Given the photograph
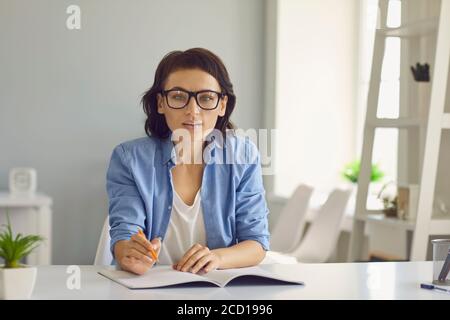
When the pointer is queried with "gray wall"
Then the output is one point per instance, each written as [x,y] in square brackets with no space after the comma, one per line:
[68,97]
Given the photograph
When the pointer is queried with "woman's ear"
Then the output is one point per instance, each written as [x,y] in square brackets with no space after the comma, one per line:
[223,106]
[160,103]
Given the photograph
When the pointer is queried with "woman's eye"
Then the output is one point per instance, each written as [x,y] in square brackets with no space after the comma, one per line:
[206,98]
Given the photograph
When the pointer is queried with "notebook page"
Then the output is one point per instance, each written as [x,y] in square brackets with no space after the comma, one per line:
[158,276]
[225,276]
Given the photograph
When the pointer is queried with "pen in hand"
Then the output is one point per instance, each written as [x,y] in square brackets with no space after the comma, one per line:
[152,251]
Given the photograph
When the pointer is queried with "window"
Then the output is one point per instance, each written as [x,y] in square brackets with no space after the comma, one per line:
[317,45]
[324,57]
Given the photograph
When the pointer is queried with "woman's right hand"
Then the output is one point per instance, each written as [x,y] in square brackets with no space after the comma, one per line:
[134,255]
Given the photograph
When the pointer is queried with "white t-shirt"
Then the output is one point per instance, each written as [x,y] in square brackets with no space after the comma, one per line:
[186,228]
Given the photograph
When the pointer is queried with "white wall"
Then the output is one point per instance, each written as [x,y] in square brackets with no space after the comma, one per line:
[68,97]
[316,92]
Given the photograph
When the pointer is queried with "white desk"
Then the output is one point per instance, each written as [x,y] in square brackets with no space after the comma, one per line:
[386,280]
[30,215]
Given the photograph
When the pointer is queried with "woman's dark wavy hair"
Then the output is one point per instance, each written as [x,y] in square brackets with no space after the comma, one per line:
[195,58]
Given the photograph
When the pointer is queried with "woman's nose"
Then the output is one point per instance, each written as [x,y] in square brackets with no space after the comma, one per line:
[192,106]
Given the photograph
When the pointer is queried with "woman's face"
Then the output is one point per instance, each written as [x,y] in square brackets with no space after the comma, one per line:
[197,121]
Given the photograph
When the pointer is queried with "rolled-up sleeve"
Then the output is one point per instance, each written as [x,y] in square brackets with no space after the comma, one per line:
[126,208]
[251,207]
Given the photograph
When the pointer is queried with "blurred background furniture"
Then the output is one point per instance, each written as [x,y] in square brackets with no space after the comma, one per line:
[288,231]
[103,256]
[320,240]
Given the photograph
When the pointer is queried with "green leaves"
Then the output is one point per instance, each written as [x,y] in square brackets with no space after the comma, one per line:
[351,172]
[12,249]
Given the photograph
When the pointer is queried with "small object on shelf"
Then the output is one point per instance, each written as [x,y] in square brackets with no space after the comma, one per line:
[400,203]
[22,181]
[407,201]
[421,73]
[390,201]
[390,207]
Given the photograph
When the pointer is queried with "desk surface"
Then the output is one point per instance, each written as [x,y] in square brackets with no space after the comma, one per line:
[382,280]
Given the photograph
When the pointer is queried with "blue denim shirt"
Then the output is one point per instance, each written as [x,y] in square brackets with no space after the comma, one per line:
[140,190]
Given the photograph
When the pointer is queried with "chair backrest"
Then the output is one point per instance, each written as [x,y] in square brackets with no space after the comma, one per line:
[103,256]
[288,231]
[321,237]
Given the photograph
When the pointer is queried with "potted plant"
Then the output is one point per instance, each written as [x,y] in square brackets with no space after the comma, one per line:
[351,172]
[16,280]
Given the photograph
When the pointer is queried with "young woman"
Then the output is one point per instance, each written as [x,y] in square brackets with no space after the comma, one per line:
[200,215]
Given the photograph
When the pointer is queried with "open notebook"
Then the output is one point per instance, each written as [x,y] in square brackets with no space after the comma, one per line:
[162,276]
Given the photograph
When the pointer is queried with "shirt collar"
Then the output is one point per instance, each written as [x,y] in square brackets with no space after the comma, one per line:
[168,150]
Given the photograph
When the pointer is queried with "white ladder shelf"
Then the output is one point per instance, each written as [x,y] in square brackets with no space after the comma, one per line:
[425,225]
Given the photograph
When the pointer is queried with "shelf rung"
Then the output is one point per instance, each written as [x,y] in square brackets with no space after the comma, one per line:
[413,29]
[395,123]
[377,216]
[438,225]
[446,121]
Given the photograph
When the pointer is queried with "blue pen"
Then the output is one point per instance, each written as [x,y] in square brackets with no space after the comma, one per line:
[433,287]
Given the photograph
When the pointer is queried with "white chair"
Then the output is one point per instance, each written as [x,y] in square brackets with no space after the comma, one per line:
[103,257]
[321,237]
[288,231]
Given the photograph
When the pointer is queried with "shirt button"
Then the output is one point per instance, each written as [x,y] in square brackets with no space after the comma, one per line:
[169,207]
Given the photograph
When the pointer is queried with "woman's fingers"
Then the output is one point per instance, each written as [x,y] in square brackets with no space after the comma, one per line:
[142,241]
[187,255]
[146,245]
[156,244]
[140,248]
[193,258]
[139,256]
[134,257]
[126,261]
[134,265]
[207,263]
[210,266]
[201,263]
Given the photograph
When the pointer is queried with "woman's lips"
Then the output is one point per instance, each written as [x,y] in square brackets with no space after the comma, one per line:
[190,125]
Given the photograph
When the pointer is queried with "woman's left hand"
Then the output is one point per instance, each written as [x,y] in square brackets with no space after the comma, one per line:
[198,258]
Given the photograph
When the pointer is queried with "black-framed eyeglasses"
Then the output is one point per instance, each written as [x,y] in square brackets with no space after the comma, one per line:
[179,98]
